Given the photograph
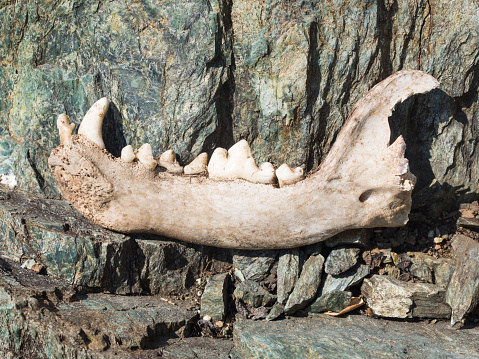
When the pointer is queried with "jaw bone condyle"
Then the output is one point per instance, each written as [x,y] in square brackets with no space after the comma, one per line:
[235,163]
[364,182]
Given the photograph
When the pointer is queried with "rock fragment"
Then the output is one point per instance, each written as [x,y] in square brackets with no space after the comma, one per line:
[392,298]
[334,301]
[253,265]
[345,280]
[213,299]
[463,290]
[340,260]
[254,294]
[288,273]
[307,286]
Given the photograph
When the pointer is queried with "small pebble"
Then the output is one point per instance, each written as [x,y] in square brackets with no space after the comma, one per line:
[438,240]
[219,323]
[207,318]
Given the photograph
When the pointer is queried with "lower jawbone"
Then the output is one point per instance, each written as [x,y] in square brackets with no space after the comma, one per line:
[364,182]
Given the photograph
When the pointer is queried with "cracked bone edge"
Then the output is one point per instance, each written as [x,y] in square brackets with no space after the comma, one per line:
[168,160]
[127,154]
[65,128]
[286,175]
[145,156]
[198,165]
[91,124]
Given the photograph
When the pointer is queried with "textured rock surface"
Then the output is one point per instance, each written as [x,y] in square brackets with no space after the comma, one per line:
[86,255]
[42,317]
[334,301]
[358,337]
[253,265]
[288,273]
[392,298]
[463,290]
[254,294]
[286,85]
[307,285]
[345,280]
[340,260]
[213,300]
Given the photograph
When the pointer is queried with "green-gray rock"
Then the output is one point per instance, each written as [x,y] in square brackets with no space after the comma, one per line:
[288,273]
[340,260]
[254,294]
[345,280]
[352,337]
[71,247]
[276,311]
[41,317]
[253,265]
[213,299]
[307,285]
[441,267]
[334,301]
[463,290]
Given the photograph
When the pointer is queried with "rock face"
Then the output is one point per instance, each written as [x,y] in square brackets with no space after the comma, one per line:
[359,337]
[197,75]
[86,255]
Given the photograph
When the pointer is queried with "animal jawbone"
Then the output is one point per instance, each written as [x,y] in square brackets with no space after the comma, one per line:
[363,182]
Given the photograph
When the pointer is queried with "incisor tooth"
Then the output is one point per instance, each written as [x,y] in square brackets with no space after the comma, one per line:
[127,154]
[198,165]
[65,128]
[90,126]
[286,175]
[168,161]
[144,155]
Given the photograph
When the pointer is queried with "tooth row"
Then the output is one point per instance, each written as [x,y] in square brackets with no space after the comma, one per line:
[234,163]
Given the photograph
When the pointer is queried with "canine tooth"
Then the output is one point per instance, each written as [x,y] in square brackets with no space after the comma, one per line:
[90,126]
[65,128]
[286,175]
[217,164]
[168,160]
[144,155]
[127,154]
[198,165]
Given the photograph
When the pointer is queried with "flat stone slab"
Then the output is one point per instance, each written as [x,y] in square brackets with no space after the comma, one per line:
[352,337]
[42,317]
[72,248]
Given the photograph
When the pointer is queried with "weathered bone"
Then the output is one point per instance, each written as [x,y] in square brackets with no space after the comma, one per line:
[363,182]
[90,126]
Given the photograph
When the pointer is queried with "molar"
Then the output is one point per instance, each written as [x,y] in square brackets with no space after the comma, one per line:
[144,155]
[217,164]
[127,154]
[91,124]
[198,165]
[286,175]
[168,160]
[65,128]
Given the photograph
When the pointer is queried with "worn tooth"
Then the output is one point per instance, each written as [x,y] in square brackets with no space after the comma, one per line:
[127,154]
[91,124]
[198,165]
[168,160]
[217,164]
[65,128]
[145,156]
[286,175]
[264,174]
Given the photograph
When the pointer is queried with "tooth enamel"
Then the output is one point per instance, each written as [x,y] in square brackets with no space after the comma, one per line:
[168,161]
[198,165]
[65,128]
[217,164]
[127,154]
[144,155]
[90,126]
[286,175]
